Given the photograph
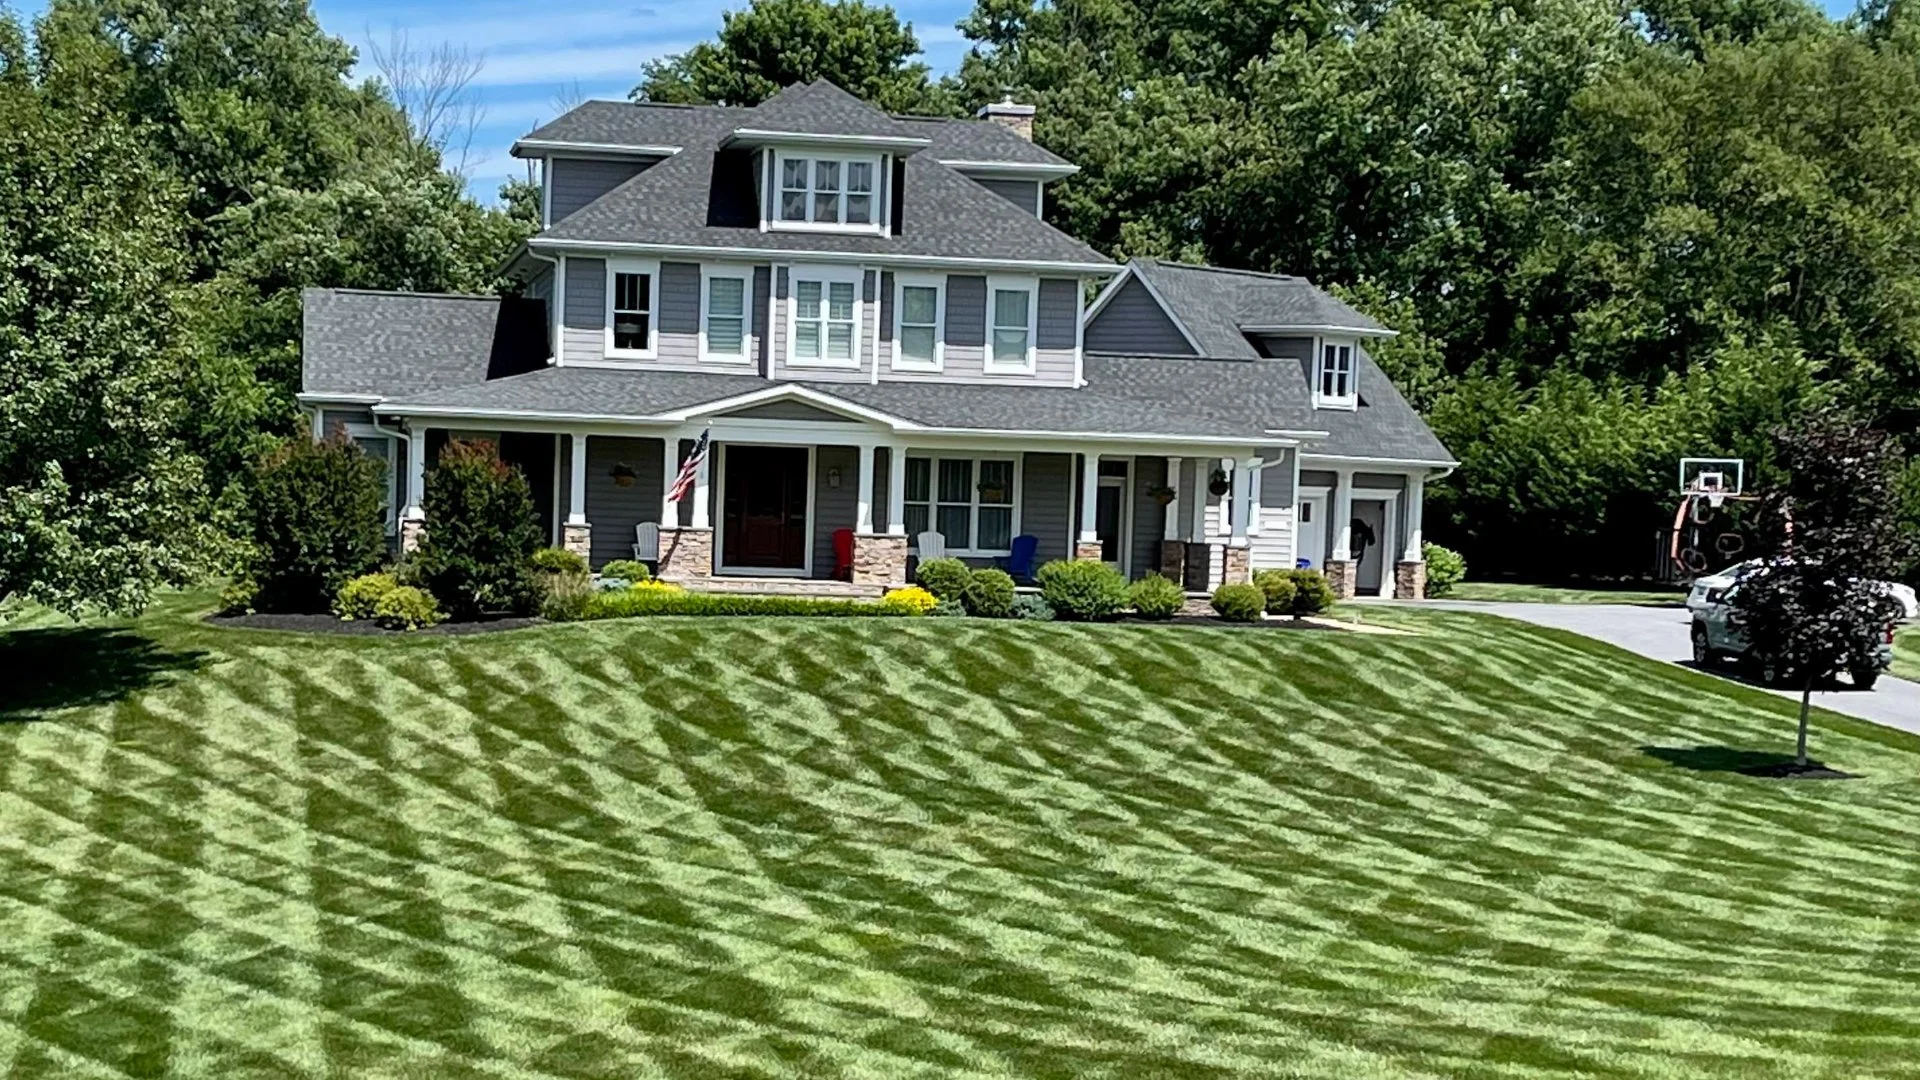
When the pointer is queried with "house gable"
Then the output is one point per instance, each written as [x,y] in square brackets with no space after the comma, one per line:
[1132,320]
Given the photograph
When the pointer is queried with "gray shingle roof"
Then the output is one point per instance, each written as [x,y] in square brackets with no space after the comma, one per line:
[979,140]
[820,107]
[1215,304]
[387,344]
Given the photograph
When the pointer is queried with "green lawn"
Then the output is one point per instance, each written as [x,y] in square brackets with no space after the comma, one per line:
[884,848]
[1507,592]
[1906,653]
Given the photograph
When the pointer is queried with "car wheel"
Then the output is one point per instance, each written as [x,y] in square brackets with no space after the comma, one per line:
[1702,651]
[1864,678]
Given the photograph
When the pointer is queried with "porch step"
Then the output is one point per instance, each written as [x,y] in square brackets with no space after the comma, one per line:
[759,586]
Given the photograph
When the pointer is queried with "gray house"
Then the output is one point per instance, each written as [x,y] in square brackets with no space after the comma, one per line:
[889,353]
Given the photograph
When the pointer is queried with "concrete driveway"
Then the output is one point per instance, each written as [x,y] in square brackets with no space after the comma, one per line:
[1661,633]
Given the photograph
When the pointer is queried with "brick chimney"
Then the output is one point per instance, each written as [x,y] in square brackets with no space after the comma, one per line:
[1014,117]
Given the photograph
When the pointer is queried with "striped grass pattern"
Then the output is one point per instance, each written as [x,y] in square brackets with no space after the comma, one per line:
[889,848]
[1906,653]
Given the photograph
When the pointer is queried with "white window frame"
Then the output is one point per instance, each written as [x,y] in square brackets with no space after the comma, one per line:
[744,275]
[938,283]
[933,503]
[827,275]
[882,168]
[355,430]
[651,268]
[1349,400]
[1030,286]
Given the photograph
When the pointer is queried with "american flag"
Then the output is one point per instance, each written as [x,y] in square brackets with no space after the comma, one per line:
[684,482]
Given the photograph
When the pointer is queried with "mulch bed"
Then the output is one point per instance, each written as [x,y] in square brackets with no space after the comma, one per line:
[327,624]
[1793,770]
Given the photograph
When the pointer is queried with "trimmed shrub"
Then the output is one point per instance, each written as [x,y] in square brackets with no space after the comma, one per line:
[946,579]
[315,523]
[912,600]
[627,603]
[1280,590]
[948,609]
[555,560]
[1082,589]
[404,607]
[627,570]
[990,594]
[236,597]
[1445,569]
[1032,607]
[1156,597]
[1311,593]
[565,597]
[481,534]
[1241,602]
[358,598]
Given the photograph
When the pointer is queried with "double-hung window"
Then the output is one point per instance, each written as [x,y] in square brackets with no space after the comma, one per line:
[379,445]
[968,501]
[723,316]
[1012,324]
[632,297]
[829,191]
[825,323]
[917,319]
[1334,385]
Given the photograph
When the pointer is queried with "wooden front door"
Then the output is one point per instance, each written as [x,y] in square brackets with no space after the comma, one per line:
[764,508]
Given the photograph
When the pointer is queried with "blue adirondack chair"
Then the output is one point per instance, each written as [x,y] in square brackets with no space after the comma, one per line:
[1019,562]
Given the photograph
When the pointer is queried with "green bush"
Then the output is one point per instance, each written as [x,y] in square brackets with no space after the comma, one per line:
[1445,568]
[553,560]
[1082,589]
[624,603]
[404,607]
[1311,593]
[358,599]
[315,522]
[1156,597]
[948,609]
[1032,607]
[565,596]
[1242,602]
[912,600]
[1280,590]
[990,594]
[946,579]
[481,534]
[237,596]
[627,570]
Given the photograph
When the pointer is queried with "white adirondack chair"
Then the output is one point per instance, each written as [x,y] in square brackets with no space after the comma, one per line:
[932,545]
[646,542]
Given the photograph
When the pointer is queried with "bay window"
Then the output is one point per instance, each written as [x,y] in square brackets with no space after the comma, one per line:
[917,318]
[824,323]
[723,322]
[1012,324]
[1334,386]
[828,191]
[968,501]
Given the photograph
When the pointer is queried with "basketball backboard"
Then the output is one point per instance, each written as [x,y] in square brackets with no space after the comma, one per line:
[1720,477]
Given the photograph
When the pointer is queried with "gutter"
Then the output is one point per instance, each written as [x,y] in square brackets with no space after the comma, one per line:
[1090,269]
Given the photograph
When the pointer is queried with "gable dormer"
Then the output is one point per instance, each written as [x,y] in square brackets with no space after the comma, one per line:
[825,161]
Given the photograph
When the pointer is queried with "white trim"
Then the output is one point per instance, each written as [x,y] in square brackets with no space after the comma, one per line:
[552,146]
[1388,542]
[1321,328]
[805,139]
[766,193]
[997,283]
[826,276]
[339,399]
[719,523]
[1397,463]
[1113,289]
[1416,497]
[933,503]
[876,194]
[1350,400]
[559,313]
[577,479]
[546,191]
[1322,497]
[731,272]
[1079,333]
[901,283]
[1124,541]
[773,309]
[1293,533]
[651,268]
[1010,170]
[318,424]
[599,248]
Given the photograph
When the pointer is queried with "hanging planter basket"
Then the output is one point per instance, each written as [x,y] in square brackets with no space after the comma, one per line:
[1218,484]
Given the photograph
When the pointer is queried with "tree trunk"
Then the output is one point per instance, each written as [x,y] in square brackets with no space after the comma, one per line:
[1806,706]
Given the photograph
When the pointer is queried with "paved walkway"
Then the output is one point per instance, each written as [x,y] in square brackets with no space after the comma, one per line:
[1662,634]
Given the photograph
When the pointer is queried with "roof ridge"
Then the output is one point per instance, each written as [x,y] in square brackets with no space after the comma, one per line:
[406,292]
[1210,268]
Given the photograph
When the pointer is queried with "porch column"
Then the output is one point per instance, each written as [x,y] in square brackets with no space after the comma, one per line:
[1410,577]
[1197,518]
[896,490]
[863,514]
[413,516]
[1173,549]
[881,559]
[1255,478]
[1088,545]
[1171,530]
[669,468]
[1234,566]
[703,489]
[685,552]
[577,536]
[1342,573]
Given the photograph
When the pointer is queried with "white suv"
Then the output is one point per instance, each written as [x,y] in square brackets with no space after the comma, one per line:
[1715,639]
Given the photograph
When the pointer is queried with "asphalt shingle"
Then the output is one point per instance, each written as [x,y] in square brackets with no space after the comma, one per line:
[386,344]
[1216,304]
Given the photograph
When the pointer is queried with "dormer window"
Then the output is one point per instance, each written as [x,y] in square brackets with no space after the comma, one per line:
[818,191]
[1334,385]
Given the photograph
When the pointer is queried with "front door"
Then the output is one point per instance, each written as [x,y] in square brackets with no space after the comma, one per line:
[764,508]
[1369,544]
[1311,523]
[1110,513]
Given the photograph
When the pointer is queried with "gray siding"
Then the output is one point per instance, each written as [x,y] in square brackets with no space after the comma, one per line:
[1149,517]
[613,510]
[762,306]
[583,332]
[1059,330]
[540,285]
[1133,322]
[788,410]
[966,324]
[833,508]
[1273,546]
[966,333]
[884,332]
[1318,478]
[676,323]
[579,181]
[1024,194]
[678,320]
[1288,348]
[1046,503]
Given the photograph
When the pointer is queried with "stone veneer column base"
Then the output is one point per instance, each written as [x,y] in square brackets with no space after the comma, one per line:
[412,531]
[1173,561]
[1235,567]
[1199,567]
[577,539]
[879,559]
[1343,575]
[686,553]
[1087,551]
[1410,580]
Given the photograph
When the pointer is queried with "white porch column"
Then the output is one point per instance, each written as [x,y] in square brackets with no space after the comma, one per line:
[577,482]
[1342,515]
[669,468]
[703,488]
[1197,519]
[416,472]
[1223,526]
[1416,512]
[1242,501]
[1171,528]
[863,513]
[897,490]
[1256,476]
[1089,498]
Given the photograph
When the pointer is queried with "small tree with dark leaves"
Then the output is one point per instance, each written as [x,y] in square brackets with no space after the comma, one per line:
[481,534]
[1831,527]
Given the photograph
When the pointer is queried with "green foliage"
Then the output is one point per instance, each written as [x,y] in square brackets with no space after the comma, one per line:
[560,561]
[1445,569]
[1156,597]
[990,594]
[774,43]
[625,603]
[912,600]
[481,533]
[1279,589]
[1311,593]
[946,579]
[627,570]
[1032,607]
[359,598]
[564,597]
[316,521]
[1083,590]
[948,609]
[405,607]
[1241,602]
